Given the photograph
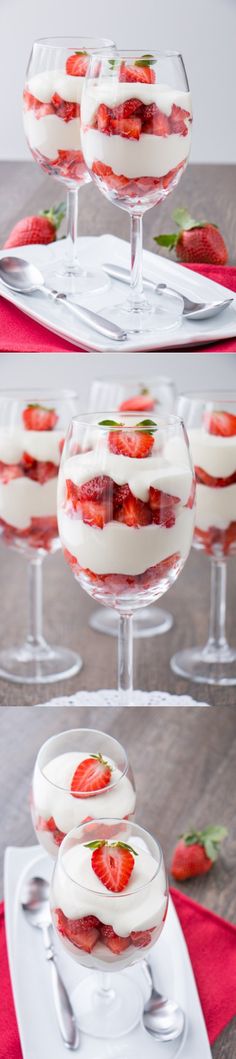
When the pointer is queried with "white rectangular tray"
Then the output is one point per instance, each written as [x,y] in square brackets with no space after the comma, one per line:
[108,248]
[32,987]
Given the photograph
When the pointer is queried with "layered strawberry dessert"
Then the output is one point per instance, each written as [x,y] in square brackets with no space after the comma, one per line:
[109,901]
[125,514]
[29,462]
[213,447]
[51,114]
[75,787]
[136,133]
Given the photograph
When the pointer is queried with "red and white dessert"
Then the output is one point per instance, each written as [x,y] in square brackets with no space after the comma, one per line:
[136,133]
[125,515]
[74,787]
[109,902]
[51,114]
[29,462]
[213,447]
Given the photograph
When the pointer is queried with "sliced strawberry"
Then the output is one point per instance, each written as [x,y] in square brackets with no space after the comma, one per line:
[212,482]
[143,402]
[113,864]
[220,423]
[93,500]
[129,509]
[51,826]
[9,471]
[36,417]
[137,444]
[38,470]
[114,941]
[103,117]
[141,938]
[129,127]
[89,921]
[83,939]
[139,73]
[178,120]
[43,110]
[92,775]
[159,124]
[124,110]
[65,109]
[162,507]
[77,64]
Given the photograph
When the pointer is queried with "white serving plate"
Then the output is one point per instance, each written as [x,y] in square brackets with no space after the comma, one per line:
[32,992]
[108,248]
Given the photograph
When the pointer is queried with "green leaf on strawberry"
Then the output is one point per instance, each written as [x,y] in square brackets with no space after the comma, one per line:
[210,838]
[146,60]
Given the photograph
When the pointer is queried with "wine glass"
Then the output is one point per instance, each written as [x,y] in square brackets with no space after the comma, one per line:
[79,775]
[153,394]
[210,419]
[107,931]
[125,513]
[136,132]
[33,424]
[51,117]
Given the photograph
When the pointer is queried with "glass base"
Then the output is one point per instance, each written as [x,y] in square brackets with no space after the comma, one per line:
[154,313]
[75,281]
[107,1013]
[149,621]
[206,666]
[38,665]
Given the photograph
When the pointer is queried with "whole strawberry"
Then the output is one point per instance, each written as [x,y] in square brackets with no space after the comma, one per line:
[196,852]
[42,228]
[196,241]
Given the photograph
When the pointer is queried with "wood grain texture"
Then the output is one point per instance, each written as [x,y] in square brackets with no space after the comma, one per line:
[184,764]
[67,609]
[208,191]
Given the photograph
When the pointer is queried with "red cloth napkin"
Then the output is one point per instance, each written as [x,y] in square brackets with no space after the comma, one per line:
[20,334]
[211,943]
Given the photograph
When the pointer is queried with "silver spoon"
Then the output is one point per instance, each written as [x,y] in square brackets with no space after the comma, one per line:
[35,903]
[24,278]
[191,310]
[163,1018]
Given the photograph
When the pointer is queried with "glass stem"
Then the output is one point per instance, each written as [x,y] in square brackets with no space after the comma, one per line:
[105,990]
[125,655]
[217,638]
[35,637]
[136,278]
[72,227]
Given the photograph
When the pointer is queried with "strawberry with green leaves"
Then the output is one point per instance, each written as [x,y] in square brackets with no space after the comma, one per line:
[196,241]
[40,228]
[92,775]
[113,863]
[196,852]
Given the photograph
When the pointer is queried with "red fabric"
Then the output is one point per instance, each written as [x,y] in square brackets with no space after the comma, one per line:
[20,334]
[211,943]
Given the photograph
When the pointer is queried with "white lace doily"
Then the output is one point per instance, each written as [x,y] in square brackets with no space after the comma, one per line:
[112,698]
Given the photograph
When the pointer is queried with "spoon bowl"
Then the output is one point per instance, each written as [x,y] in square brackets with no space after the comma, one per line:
[20,275]
[163,1018]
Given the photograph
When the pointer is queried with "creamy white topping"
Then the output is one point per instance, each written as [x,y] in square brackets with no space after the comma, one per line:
[51,134]
[113,92]
[140,474]
[150,156]
[116,800]
[40,444]
[215,507]
[23,499]
[121,549]
[44,85]
[78,891]
[215,454]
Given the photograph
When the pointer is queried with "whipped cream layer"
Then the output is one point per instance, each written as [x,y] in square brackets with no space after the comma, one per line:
[44,85]
[51,134]
[79,892]
[215,507]
[41,445]
[116,800]
[215,454]
[23,499]
[156,470]
[113,92]
[121,549]
[150,156]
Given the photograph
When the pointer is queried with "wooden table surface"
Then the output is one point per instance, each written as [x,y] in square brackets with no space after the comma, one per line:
[67,609]
[184,765]
[208,191]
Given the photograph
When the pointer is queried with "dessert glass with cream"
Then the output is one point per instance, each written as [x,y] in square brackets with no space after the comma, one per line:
[210,419]
[51,117]
[33,425]
[128,394]
[79,775]
[109,900]
[126,512]
[136,119]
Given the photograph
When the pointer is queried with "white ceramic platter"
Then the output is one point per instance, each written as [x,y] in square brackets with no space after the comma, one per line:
[31,983]
[108,248]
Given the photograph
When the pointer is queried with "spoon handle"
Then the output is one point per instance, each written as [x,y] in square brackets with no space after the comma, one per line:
[65,1015]
[94,320]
